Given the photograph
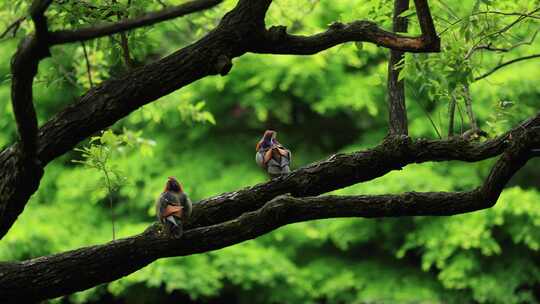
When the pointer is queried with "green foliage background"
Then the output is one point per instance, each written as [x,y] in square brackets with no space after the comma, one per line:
[330,102]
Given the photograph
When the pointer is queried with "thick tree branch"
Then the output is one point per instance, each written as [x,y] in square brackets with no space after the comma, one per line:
[397,111]
[99,108]
[21,165]
[429,33]
[277,41]
[66,36]
[239,30]
[23,68]
[342,170]
[64,273]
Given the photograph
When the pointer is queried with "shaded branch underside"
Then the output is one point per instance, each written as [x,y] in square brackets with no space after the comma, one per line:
[67,272]
[241,30]
[238,216]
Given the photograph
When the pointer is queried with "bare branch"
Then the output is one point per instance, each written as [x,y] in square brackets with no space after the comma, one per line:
[397,111]
[451,114]
[239,30]
[490,47]
[342,170]
[468,107]
[277,41]
[508,14]
[429,34]
[502,65]
[66,36]
[88,66]
[79,269]
[124,40]
[13,27]
[23,68]
[521,18]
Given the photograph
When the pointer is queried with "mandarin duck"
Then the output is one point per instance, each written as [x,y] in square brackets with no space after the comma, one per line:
[272,156]
[173,207]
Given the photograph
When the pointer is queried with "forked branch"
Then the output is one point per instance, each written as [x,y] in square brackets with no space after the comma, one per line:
[71,271]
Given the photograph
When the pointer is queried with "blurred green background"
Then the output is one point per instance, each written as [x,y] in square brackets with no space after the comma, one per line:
[335,101]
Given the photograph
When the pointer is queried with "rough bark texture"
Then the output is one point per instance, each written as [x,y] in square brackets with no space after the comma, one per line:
[234,217]
[397,110]
[342,170]
[71,271]
[240,31]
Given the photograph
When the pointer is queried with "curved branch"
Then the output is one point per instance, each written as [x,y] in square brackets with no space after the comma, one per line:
[13,27]
[343,170]
[79,269]
[239,30]
[66,36]
[429,33]
[21,165]
[24,67]
[502,65]
[277,41]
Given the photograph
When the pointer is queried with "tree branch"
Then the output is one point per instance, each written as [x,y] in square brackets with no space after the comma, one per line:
[23,68]
[451,114]
[502,65]
[66,36]
[88,66]
[124,43]
[342,170]
[397,111]
[239,30]
[429,34]
[277,41]
[13,27]
[64,273]
[490,47]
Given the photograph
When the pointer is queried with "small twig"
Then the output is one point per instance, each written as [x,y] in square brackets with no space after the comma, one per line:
[106,29]
[163,4]
[507,27]
[110,189]
[462,120]
[468,106]
[448,9]
[427,113]
[502,65]
[530,15]
[489,47]
[63,70]
[124,38]
[13,27]
[451,114]
[88,66]
[508,14]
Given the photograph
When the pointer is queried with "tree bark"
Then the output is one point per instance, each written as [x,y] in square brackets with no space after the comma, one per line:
[71,271]
[241,30]
[397,111]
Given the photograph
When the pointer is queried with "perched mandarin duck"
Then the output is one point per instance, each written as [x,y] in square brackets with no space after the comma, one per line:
[272,156]
[173,207]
